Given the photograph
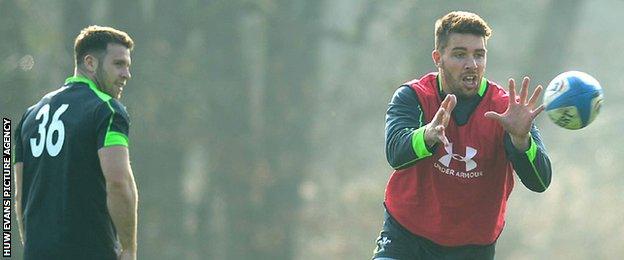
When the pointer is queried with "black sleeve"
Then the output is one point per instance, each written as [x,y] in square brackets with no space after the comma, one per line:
[17,150]
[112,124]
[532,166]
[405,143]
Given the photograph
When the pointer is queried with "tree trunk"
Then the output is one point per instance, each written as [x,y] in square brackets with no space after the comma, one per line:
[553,39]
[260,157]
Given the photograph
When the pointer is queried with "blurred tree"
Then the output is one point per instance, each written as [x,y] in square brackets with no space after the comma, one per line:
[551,44]
[75,16]
[15,62]
[224,109]
[160,130]
[259,162]
[14,79]
[294,38]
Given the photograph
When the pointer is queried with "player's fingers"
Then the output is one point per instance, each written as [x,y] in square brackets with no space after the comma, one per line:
[447,117]
[493,115]
[538,110]
[446,101]
[512,90]
[452,103]
[442,138]
[535,96]
[437,118]
[524,91]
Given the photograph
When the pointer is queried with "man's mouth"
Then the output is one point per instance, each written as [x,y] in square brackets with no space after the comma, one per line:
[120,88]
[470,81]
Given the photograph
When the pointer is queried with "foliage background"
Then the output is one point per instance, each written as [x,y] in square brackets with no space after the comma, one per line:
[258,125]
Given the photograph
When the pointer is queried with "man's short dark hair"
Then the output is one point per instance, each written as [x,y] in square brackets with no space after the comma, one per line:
[95,39]
[459,22]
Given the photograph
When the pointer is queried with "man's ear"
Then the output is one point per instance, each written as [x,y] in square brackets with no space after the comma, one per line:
[90,63]
[436,56]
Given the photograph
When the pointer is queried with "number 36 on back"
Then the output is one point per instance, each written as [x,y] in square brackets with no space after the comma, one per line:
[45,137]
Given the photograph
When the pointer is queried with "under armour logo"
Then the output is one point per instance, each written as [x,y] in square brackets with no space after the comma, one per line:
[470,153]
[382,242]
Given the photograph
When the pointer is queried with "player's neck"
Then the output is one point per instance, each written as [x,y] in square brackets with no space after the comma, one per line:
[80,73]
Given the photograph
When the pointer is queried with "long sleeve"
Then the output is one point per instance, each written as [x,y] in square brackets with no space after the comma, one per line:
[533,165]
[405,143]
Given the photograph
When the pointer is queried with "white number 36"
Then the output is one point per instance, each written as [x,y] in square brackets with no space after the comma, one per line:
[45,139]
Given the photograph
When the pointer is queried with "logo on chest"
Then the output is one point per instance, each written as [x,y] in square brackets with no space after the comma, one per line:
[470,153]
[466,159]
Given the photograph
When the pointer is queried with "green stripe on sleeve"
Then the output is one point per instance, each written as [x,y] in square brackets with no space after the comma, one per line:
[419,146]
[418,143]
[115,138]
[531,154]
[532,151]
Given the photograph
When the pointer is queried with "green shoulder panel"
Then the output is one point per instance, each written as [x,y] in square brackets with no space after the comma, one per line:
[112,137]
[105,97]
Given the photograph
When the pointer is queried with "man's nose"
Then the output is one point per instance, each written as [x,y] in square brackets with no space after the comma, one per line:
[126,73]
[471,63]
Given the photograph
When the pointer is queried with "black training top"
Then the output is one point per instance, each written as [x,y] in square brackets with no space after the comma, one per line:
[64,191]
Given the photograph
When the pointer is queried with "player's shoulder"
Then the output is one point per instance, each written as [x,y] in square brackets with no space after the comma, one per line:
[497,91]
[426,83]
[424,87]
[404,95]
[75,94]
[45,100]
[426,80]
[497,96]
[30,109]
[112,108]
[118,107]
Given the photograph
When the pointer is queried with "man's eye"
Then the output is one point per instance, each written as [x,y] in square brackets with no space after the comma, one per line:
[459,55]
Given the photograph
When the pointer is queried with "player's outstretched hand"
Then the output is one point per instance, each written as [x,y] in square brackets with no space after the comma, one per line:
[128,255]
[434,131]
[520,113]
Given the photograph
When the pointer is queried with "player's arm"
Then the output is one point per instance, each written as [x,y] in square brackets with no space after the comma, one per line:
[408,138]
[532,165]
[18,169]
[122,195]
[113,126]
[405,143]
[522,140]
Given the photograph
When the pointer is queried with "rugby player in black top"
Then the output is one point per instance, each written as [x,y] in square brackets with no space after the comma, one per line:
[75,192]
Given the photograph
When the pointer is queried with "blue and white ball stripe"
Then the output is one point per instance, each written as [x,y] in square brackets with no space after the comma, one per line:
[573,99]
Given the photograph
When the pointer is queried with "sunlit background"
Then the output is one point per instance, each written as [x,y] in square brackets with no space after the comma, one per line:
[258,126]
